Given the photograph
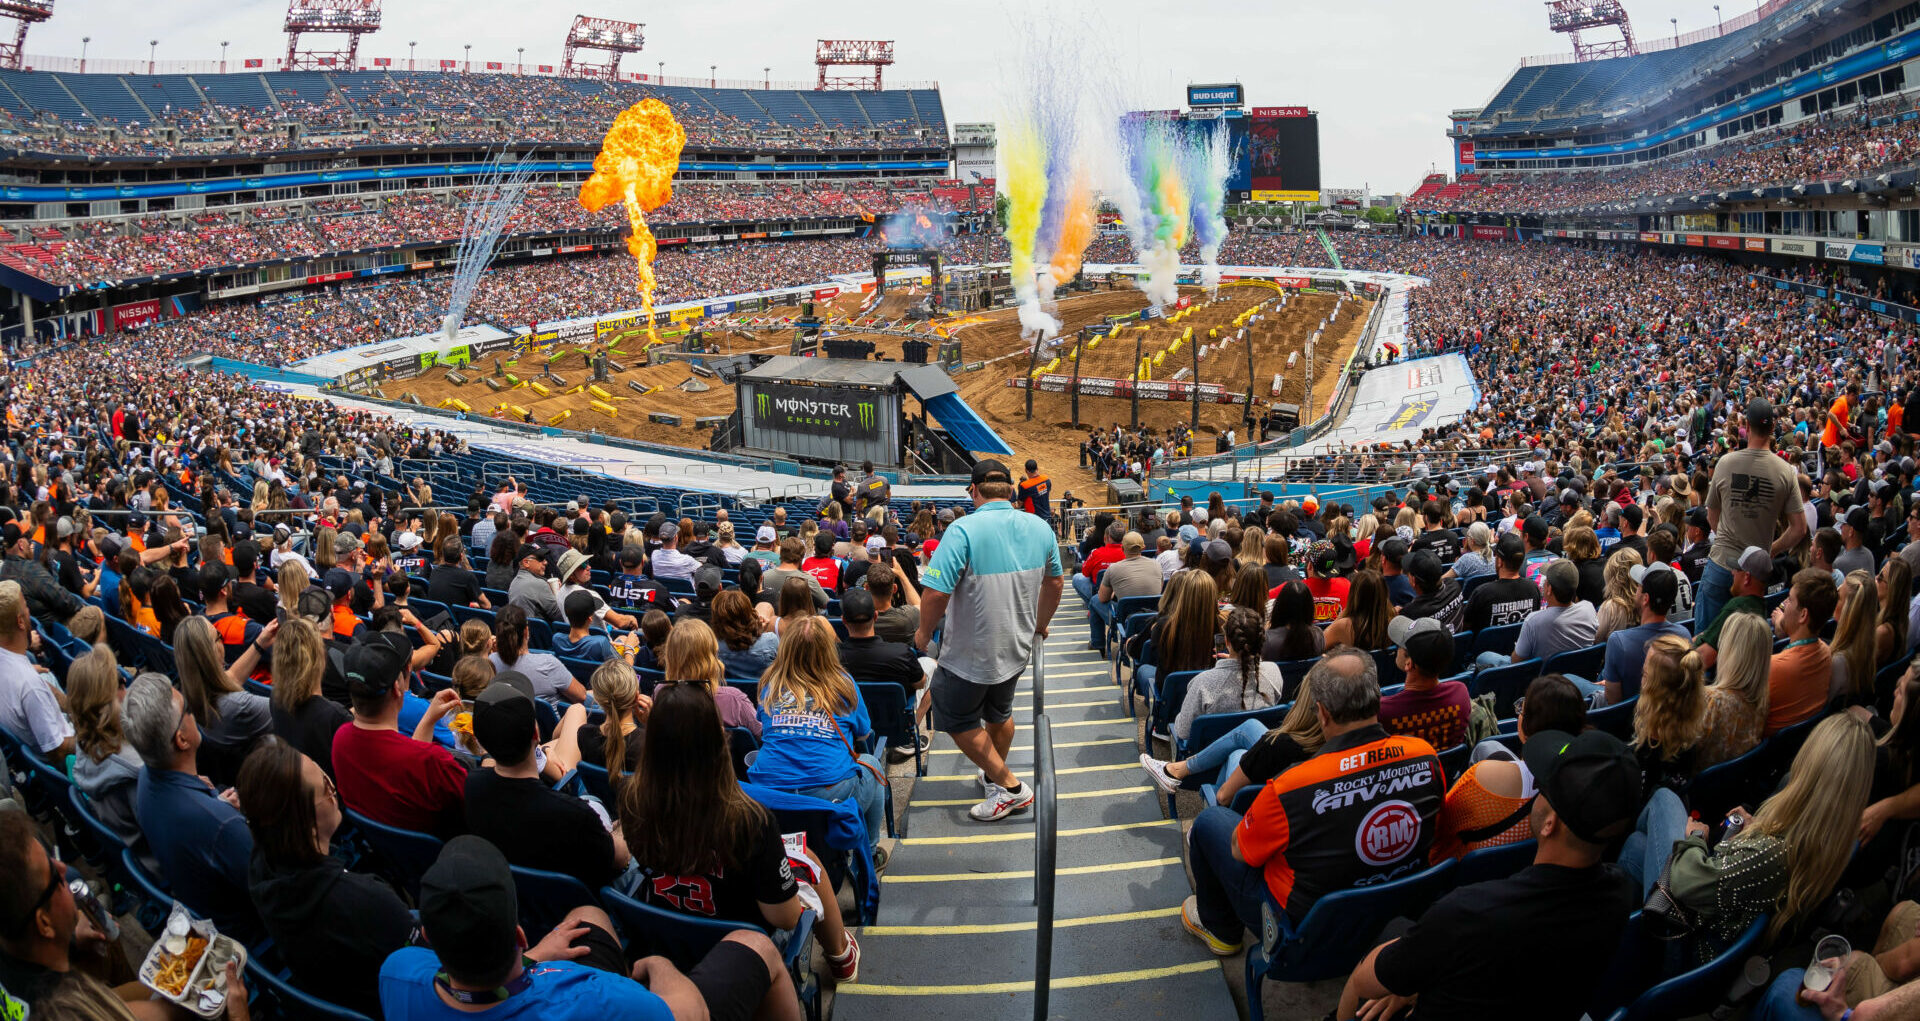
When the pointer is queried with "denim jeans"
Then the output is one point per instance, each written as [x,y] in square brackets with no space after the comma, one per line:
[1084,585]
[1663,823]
[1778,1003]
[1489,660]
[1586,687]
[1099,617]
[1230,892]
[1715,588]
[1213,756]
[868,793]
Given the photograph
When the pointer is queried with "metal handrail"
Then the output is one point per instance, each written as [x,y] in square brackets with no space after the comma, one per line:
[1046,835]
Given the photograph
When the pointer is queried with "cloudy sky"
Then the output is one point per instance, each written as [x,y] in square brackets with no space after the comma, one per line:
[1382,74]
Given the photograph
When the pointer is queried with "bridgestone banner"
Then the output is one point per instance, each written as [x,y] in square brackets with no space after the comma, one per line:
[823,410]
[1150,390]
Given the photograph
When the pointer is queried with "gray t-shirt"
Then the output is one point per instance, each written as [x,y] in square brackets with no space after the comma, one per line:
[1756,494]
[1552,630]
[1851,560]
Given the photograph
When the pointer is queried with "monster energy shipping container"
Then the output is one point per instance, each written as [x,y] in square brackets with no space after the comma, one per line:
[824,410]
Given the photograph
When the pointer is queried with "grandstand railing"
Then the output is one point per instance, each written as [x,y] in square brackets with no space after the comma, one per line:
[1045,837]
[1654,44]
[400,65]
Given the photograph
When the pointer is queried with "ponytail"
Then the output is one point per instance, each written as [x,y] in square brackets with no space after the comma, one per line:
[1245,634]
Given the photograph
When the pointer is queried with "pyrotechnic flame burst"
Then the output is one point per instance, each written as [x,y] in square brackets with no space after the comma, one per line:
[635,167]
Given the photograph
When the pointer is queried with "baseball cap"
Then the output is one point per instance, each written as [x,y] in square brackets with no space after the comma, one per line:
[1639,572]
[1428,643]
[1510,549]
[1570,495]
[513,679]
[1591,781]
[1394,549]
[1188,533]
[1633,515]
[345,542]
[1321,554]
[990,470]
[1562,575]
[1310,505]
[63,528]
[1536,528]
[315,605]
[372,667]
[468,907]
[1133,542]
[531,549]
[339,582]
[856,605]
[1757,562]
[1857,519]
[1218,551]
[406,540]
[1697,518]
[10,533]
[1760,412]
[707,581]
[763,534]
[136,520]
[1424,567]
[878,542]
[503,720]
[669,530]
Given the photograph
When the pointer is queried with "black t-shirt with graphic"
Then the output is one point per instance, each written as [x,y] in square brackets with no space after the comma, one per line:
[764,876]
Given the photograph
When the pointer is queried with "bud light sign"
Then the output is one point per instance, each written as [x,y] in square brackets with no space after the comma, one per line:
[817,409]
[1228,94]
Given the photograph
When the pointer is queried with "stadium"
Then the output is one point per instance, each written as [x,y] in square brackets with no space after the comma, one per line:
[1075,564]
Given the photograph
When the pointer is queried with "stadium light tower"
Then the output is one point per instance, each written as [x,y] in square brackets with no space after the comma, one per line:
[1575,16]
[23,13]
[351,18]
[608,38]
[874,53]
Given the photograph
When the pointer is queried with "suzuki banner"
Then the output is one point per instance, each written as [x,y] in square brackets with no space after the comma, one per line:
[823,410]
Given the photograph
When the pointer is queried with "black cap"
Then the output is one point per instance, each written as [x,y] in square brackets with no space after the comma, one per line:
[986,470]
[1425,568]
[1591,781]
[1536,529]
[1511,550]
[531,549]
[708,581]
[316,606]
[1633,515]
[469,909]
[1697,518]
[512,679]
[503,721]
[372,667]
[339,582]
[1760,413]
[10,533]
[1395,550]
[856,605]
[1857,519]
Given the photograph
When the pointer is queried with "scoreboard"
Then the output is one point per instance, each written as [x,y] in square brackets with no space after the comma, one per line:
[1283,153]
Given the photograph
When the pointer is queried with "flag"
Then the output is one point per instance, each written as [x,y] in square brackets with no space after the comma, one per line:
[445,64]
[493,65]
[254,62]
[383,62]
[546,68]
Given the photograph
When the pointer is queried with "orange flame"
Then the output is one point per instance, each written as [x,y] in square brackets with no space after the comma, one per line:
[921,219]
[635,167]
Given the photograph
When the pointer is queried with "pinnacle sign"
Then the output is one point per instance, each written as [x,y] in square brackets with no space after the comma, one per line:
[816,409]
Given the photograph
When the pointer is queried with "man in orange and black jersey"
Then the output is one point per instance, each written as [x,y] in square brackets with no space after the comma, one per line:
[1035,489]
[1362,811]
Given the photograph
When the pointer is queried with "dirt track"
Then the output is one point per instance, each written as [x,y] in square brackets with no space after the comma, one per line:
[990,337]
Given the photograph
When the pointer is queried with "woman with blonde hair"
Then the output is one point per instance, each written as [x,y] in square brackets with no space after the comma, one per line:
[618,742]
[1621,609]
[1854,664]
[1736,711]
[1895,588]
[812,719]
[324,556]
[1669,719]
[1253,547]
[301,716]
[293,581]
[1182,634]
[105,767]
[692,653]
[1786,857]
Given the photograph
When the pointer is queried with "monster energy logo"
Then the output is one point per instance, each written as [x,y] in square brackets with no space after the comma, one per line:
[866,414]
[761,402]
[799,409]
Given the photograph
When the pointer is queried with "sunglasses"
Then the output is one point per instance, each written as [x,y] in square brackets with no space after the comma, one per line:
[55,879]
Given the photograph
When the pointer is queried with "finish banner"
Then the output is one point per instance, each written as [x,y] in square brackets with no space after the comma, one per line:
[821,410]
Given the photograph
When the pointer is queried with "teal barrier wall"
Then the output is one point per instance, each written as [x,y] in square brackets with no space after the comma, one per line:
[265,374]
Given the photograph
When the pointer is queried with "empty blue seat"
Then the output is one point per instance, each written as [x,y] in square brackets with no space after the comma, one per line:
[1338,931]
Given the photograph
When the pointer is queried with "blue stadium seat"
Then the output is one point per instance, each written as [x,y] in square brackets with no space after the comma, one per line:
[546,897]
[404,854]
[686,939]
[267,977]
[1338,931]
[1699,990]
[1507,683]
[1498,862]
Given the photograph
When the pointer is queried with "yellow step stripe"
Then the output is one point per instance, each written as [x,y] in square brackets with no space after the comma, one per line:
[1077,870]
[1108,701]
[1114,792]
[985,929]
[1057,745]
[1058,982]
[1114,688]
[957,777]
[1012,835]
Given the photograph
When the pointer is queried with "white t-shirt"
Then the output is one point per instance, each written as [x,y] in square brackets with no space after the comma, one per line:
[550,677]
[27,706]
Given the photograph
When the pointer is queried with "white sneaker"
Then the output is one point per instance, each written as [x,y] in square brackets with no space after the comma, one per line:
[1001,803]
[1157,769]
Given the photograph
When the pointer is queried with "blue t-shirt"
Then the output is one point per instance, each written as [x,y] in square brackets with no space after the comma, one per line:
[1627,654]
[1400,590]
[800,746]
[561,990]
[593,648]
[412,708]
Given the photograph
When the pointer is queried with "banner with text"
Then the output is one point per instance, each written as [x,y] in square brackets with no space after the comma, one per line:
[822,410]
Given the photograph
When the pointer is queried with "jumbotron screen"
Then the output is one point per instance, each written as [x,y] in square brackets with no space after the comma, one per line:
[1284,149]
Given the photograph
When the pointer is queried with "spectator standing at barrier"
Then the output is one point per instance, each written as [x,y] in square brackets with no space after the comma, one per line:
[994,583]
[1035,488]
[1753,500]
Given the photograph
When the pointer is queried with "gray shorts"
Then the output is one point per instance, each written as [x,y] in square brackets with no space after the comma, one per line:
[960,705]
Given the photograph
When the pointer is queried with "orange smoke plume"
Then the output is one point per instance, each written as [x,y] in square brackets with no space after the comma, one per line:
[1076,230]
[635,167]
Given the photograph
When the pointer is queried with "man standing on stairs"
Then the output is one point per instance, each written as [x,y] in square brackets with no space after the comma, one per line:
[998,571]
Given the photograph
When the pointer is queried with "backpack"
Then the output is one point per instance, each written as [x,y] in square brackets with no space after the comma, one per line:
[1482,721]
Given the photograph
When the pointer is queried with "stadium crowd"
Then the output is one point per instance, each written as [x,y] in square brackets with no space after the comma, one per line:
[1862,142]
[431,109]
[103,253]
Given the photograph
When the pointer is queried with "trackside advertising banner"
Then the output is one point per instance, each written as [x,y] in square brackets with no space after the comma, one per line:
[821,410]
